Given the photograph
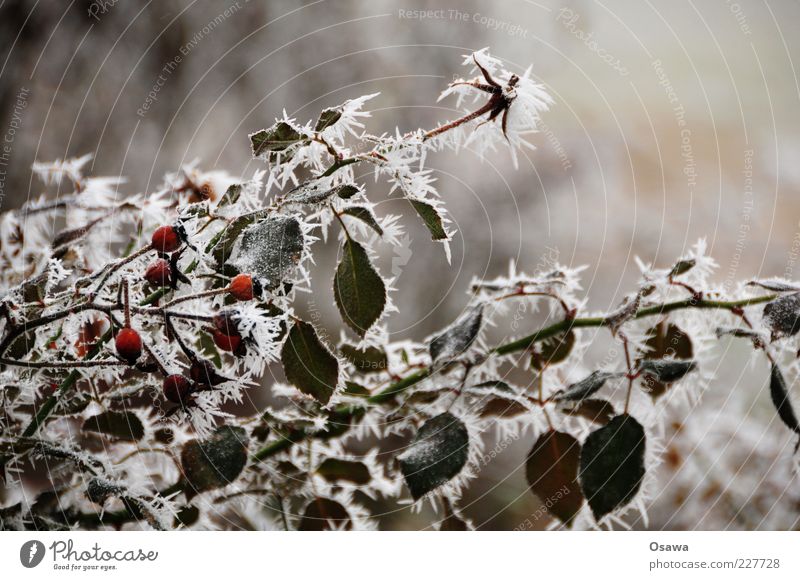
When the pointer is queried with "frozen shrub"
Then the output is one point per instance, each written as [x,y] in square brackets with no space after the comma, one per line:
[125,335]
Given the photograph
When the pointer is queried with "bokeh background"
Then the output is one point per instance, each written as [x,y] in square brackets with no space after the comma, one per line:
[672,121]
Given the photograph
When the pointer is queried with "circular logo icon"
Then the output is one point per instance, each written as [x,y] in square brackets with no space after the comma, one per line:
[31,553]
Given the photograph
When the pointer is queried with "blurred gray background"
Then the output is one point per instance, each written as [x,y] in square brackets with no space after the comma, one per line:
[672,121]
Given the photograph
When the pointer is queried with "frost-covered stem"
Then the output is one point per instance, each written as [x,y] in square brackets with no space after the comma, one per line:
[155,296]
[629,366]
[196,296]
[63,364]
[600,321]
[458,122]
[521,292]
[126,302]
[341,223]
[109,270]
[512,347]
[375,153]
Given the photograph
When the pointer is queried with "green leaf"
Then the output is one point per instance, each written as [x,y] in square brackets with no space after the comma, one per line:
[186,516]
[324,514]
[230,196]
[34,289]
[276,143]
[780,398]
[552,472]
[552,350]
[365,215]
[118,424]
[308,364]
[367,360]
[458,337]
[270,249]
[354,389]
[431,219]
[436,455]
[328,118]
[21,346]
[333,470]
[359,290]
[347,191]
[612,465]
[586,387]
[489,386]
[208,349]
[214,462]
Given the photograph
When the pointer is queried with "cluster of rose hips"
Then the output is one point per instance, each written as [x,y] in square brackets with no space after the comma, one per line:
[163,272]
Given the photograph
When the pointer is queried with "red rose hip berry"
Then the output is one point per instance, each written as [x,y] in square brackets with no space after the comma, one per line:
[166,239]
[242,287]
[226,342]
[128,344]
[203,372]
[159,273]
[227,322]
[177,388]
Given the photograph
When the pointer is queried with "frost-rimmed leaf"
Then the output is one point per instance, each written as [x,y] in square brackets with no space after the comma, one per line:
[431,219]
[586,387]
[308,364]
[458,337]
[552,472]
[782,315]
[270,249]
[333,470]
[597,411]
[612,465]
[364,214]
[118,424]
[358,288]
[780,398]
[437,454]
[489,386]
[452,521]
[224,247]
[370,359]
[328,118]
[502,407]
[312,194]
[276,143]
[625,312]
[325,514]
[682,266]
[667,371]
[214,462]
[775,285]
[347,191]
[665,340]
